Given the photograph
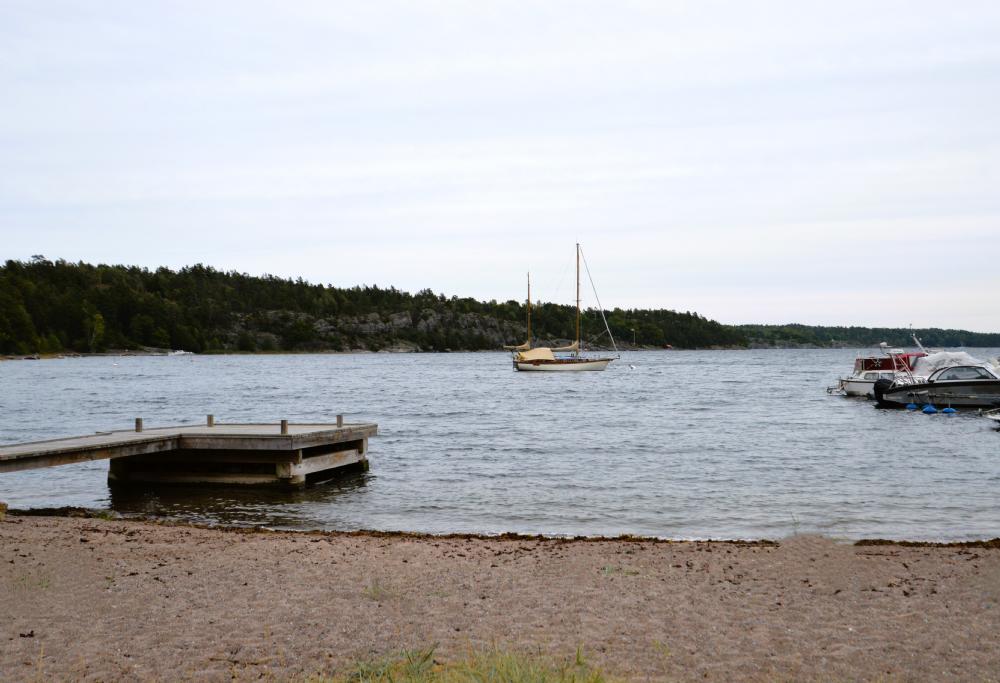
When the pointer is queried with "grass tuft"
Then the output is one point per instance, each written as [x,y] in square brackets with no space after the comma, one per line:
[377,591]
[488,666]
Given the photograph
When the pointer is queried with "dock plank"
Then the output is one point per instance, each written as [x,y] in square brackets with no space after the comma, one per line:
[126,443]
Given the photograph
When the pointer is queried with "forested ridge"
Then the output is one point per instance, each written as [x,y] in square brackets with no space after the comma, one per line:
[56,306]
[827,336]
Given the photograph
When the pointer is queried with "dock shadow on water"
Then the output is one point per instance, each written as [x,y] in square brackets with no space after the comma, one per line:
[237,506]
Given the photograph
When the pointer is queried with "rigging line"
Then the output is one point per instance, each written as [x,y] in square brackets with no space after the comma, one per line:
[560,282]
[600,307]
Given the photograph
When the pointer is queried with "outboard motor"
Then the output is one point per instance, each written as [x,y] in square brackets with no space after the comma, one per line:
[882,386]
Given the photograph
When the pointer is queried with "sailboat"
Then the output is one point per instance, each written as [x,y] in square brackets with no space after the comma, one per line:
[543,358]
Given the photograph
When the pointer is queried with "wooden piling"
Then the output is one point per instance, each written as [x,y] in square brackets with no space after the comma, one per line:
[138,424]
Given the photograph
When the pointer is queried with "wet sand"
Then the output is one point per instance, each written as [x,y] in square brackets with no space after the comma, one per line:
[126,600]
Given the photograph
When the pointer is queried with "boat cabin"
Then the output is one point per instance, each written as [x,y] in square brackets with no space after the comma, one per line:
[872,376]
[895,360]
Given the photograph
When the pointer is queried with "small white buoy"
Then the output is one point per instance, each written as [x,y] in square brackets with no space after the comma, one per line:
[631,367]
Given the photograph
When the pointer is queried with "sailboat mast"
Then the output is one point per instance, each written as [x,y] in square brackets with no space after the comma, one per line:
[529,310]
[578,298]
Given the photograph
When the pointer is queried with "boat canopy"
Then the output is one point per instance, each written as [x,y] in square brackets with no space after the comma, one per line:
[962,372]
[928,365]
[541,353]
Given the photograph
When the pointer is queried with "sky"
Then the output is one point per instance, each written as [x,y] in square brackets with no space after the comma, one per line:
[828,163]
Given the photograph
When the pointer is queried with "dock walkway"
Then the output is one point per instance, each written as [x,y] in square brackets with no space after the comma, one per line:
[280,453]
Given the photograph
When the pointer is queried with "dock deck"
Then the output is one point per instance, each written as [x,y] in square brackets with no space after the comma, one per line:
[279,453]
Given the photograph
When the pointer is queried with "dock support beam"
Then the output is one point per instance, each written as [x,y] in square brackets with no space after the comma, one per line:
[286,469]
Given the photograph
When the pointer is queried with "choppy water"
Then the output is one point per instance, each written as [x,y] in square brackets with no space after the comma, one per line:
[710,444]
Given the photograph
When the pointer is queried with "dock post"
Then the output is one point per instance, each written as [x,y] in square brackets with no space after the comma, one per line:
[211,420]
[340,420]
[284,426]
[138,424]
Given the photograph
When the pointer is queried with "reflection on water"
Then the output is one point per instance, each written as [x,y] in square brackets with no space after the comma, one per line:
[235,506]
[723,444]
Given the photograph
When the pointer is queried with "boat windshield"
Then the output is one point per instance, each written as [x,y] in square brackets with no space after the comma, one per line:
[964,372]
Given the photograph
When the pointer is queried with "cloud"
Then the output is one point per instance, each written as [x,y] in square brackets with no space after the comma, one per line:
[769,162]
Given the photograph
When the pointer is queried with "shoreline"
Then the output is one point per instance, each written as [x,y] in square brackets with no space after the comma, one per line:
[388,351]
[128,599]
[111,515]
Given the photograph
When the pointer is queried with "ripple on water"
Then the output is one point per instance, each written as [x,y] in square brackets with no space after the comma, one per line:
[714,444]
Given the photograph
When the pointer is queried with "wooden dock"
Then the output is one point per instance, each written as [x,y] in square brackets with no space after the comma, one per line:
[280,454]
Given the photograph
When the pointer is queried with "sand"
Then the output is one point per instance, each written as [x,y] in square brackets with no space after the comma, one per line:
[100,599]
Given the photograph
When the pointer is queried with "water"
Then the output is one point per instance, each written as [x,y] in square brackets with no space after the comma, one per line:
[708,444]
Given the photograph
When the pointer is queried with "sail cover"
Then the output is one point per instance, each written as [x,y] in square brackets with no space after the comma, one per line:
[575,346]
[541,353]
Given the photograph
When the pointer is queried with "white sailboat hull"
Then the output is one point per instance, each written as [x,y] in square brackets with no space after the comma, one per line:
[543,358]
[560,365]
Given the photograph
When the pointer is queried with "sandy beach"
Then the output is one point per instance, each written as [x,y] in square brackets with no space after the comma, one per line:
[98,599]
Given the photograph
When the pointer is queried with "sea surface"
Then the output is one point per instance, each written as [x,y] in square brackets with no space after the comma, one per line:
[675,444]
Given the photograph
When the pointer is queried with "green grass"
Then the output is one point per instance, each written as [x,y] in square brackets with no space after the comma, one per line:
[31,582]
[489,666]
[377,592]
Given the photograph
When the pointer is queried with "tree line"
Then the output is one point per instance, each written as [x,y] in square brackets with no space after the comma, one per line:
[847,337]
[57,306]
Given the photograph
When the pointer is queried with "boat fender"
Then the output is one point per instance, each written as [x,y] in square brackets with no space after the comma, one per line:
[929,409]
[911,406]
[949,410]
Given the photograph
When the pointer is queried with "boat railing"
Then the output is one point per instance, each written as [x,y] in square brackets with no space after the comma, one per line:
[908,378]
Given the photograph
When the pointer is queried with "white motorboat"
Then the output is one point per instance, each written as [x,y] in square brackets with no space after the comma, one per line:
[870,369]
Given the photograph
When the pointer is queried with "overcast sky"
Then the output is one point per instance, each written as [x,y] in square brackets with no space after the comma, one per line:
[815,162]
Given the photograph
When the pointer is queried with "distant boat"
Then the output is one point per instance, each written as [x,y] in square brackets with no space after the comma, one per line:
[544,359]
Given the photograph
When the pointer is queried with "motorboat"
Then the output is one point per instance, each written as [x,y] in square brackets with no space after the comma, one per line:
[944,379]
[870,369]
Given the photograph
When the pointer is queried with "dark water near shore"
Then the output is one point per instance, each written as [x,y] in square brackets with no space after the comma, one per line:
[711,444]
